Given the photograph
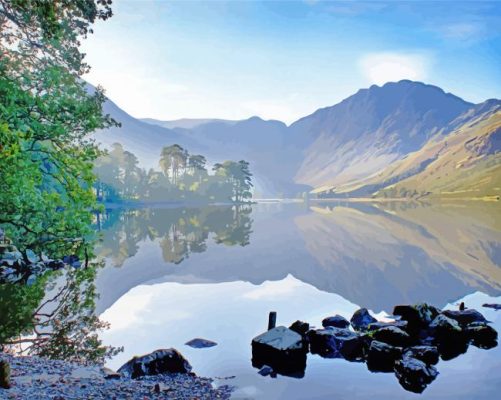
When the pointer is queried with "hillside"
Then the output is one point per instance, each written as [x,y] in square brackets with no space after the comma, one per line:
[370,130]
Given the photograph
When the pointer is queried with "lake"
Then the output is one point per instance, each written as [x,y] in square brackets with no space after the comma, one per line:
[174,274]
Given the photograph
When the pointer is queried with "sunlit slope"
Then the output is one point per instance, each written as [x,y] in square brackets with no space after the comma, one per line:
[464,164]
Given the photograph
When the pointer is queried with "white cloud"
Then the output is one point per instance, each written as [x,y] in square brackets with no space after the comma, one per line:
[380,68]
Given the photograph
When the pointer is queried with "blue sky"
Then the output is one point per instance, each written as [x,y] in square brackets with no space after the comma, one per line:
[285,59]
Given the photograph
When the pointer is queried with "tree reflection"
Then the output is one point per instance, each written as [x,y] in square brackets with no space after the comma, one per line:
[178,231]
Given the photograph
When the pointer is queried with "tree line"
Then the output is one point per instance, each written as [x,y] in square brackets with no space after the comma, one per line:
[181,177]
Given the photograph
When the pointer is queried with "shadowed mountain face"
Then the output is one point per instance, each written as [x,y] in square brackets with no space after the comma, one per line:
[372,255]
[373,139]
[371,129]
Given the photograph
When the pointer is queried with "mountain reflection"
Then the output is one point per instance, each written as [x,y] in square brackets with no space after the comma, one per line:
[373,254]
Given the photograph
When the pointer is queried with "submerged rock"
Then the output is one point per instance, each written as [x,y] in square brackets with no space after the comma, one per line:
[199,343]
[493,305]
[427,354]
[336,321]
[414,375]
[158,362]
[282,349]
[392,335]
[381,356]
[361,319]
[465,317]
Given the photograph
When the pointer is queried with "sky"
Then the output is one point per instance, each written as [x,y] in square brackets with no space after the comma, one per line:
[285,59]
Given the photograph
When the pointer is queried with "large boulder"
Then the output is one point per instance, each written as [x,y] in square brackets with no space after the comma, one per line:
[336,342]
[413,374]
[427,313]
[427,354]
[336,321]
[282,349]
[443,327]
[381,356]
[158,362]
[482,335]
[465,317]
[393,335]
[361,319]
[418,317]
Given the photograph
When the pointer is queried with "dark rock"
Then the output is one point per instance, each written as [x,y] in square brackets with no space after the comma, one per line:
[427,313]
[282,349]
[378,325]
[461,306]
[427,354]
[450,349]
[381,356]
[300,327]
[158,362]
[465,317]
[483,336]
[198,343]
[392,335]
[444,327]
[361,319]
[336,342]
[336,321]
[414,375]
[4,374]
[411,315]
[494,306]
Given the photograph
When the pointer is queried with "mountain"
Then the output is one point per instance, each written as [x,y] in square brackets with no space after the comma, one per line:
[465,163]
[370,130]
[361,146]
[185,123]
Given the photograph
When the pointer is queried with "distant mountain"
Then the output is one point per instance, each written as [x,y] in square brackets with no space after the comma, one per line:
[368,142]
[185,123]
[370,130]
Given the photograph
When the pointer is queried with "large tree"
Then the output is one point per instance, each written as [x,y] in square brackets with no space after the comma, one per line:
[46,116]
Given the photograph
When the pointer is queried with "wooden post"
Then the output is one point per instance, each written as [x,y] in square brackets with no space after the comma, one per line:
[4,374]
[272,320]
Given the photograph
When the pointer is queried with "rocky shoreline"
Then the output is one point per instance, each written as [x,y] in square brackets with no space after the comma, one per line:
[34,378]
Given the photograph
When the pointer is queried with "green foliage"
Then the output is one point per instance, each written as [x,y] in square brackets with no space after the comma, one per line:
[46,115]
[183,177]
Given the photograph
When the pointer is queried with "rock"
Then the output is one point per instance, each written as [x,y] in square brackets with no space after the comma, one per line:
[158,362]
[392,335]
[361,319]
[336,342]
[452,348]
[282,349]
[444,327]
[31,256]
[336,321]
[494,306]
[378,325]
[427,313]
[427,354]
[413,374]
[199,343]
[465,317]
[265,371]
[4,374]
[300,327]
[381,356]
[483,336]
[110,374]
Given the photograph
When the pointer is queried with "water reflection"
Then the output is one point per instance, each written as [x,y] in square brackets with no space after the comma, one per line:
[375,255]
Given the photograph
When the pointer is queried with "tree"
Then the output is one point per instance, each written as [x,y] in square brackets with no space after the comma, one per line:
[173,158]
[239,176]
[46,116]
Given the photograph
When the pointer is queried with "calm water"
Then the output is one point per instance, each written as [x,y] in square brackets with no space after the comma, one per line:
[175,274]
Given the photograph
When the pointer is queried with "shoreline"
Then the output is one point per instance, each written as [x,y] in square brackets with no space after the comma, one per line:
[34,378]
